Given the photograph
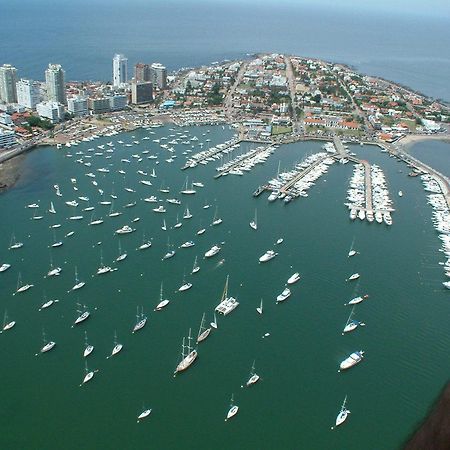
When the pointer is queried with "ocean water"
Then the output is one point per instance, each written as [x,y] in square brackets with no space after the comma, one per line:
[434,153]
[402,45]
[406,337]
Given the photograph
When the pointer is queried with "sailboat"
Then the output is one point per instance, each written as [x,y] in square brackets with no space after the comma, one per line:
[178,224]
[145,244]
[83,314]
[187,214]
[13,245]
[254,222]
[188,355]
[113,213]
[196,267]
[52,209]
[254,377]
[54,271]
[233,409]
[164,226]
[95,222]
[343,414]
[214,322]
[89,374]
[186,190]
[351,324]
[78,284]
[47,303]
[170,253]
[4,267]
[7,325]
[216,219]
[121,256]
[185,286]
[55,242]
[162,303]
[103,269]
[141,320]
[88,349]
[203,332]
[117,347]
[48,345]
[145,413]
[22,287]
[259,309]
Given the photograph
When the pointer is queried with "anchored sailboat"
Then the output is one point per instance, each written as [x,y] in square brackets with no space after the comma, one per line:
[254,377]
[188,355]
[254,222]
[351,324]
[343,414]
[259,309]
[203,332]
[233,409]
[141,320]
[162,303]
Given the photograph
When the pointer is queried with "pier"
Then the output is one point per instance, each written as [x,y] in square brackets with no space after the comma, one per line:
[368,185]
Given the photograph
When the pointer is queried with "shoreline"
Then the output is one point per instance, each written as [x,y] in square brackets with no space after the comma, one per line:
[411,139]
[10,172]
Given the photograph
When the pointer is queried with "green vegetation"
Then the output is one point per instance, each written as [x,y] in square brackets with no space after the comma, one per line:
[278,129]
[277,97]
[214,95]
[35,121]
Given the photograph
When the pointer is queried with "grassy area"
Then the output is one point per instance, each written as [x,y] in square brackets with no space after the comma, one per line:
[276,130]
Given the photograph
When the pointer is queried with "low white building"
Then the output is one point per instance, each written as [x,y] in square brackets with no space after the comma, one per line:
[78,106]
[5,119]
[53,111]
[7,138]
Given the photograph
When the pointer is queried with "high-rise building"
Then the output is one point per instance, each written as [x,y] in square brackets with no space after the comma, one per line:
[56,86]
[78,106]
[53,111]
[142,72]
[158,74]
[8,79]
[28,93]
[141,92]
[120,70]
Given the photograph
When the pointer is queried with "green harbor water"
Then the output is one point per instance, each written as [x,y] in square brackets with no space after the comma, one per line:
[294,405]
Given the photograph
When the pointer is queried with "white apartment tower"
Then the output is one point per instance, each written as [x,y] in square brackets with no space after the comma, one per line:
[56,87]
[158,75]
[120,70]
[28,93]
[8,79]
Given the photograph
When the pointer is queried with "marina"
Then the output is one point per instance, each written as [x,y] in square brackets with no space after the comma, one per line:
[308,232]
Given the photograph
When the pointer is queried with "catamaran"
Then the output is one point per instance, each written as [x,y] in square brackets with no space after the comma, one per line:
[88,349]
[162,303]
[352,360]
[141,320]
[227,304]
[78,284]
[343,414]
[254,222]
[254,377]
[233,409]
[188,355]
[7,324]
[117,347]
[203,332]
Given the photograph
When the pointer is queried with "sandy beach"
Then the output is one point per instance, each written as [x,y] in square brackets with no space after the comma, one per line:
[10,172]
[411,139]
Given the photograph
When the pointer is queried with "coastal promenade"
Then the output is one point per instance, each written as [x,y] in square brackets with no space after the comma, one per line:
[16,151]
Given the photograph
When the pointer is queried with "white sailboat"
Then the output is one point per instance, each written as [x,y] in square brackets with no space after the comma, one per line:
[187,214]
[88,349]
[162,303]
[83,314]
[254,377]
[117,347]
[141,320]
[113,213]
[259,309]
[145,413]
[4,267]
[21,287]
[351,324]
[185,286]
[214,322]
[48,345]
[78,284]
[52,209]
[186,190]
[14,245]
[47,303]
[89,374]
[102,268]
[145,243]
[164,226]
[178,224]
[233,409]
[343,414]
[203,332]
[121,256]
[196,267]
[54,271]
[188,355]
[216,219]
[254,222]
[7,324]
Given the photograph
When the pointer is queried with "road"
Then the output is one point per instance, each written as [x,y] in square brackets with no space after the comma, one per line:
[228,102]
[291,82]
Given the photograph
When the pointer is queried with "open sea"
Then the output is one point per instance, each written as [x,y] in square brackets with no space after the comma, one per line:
[294,405]
[406,44]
